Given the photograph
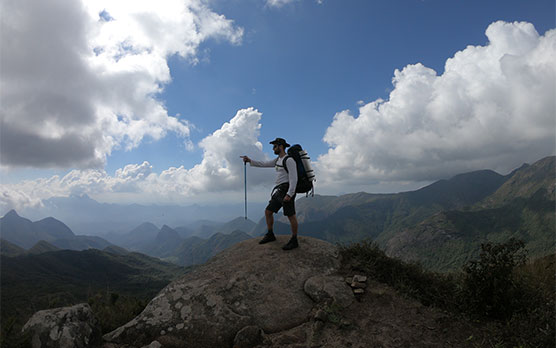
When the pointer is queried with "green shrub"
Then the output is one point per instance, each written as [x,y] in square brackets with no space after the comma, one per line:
[409,278]
[490,286]
[533,323]
[513,299]
[11,336]
[114,310]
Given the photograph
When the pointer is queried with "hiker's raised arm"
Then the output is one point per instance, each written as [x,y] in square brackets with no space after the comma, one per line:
[270,163]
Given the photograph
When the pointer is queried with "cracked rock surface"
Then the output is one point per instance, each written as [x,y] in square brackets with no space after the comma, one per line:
[65,327]
[247,285]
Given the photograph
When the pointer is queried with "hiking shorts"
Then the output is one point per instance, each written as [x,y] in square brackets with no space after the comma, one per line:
[277,200]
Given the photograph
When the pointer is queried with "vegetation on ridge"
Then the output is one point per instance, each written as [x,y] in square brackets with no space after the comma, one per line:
[514,300]
[116,286]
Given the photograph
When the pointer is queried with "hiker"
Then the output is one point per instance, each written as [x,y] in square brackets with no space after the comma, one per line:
[283,194]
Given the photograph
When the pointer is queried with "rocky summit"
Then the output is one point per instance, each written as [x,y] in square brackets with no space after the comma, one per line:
[240,295]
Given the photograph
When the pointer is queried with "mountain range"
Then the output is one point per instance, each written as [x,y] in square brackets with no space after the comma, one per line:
[170,246]
[191,245]
[440,225]
[25,233]
[522,207]
[85,216]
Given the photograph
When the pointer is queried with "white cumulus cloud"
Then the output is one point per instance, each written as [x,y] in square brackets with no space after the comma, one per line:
[81,78]
[220,171]
[280,3]
[493,107]
[221,168]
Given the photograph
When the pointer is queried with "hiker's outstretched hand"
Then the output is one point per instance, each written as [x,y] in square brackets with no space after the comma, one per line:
[245,159]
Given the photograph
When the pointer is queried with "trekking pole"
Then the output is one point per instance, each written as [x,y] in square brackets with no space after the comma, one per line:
[245,186]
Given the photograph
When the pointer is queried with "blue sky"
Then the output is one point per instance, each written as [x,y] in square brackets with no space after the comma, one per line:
[304,62]
[304,67]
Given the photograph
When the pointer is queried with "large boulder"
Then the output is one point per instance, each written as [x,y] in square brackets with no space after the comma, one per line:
[66,327]
[241,290]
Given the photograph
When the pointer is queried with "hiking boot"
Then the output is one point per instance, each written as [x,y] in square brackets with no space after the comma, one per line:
[268,237]
[292,244]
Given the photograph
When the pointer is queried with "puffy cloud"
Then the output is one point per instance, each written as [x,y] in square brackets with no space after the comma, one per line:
[493,107]
[280,3]
[220,171]
[221,168]
[134,171]
[17,199]
[81,78]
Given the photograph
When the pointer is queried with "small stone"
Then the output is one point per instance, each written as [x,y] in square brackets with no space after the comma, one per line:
[358,291]
[359,278]
[321,315]
[345,323]
[249,336]
[358,285]
[154,344]
[323,288]
[318,325]
[349,280]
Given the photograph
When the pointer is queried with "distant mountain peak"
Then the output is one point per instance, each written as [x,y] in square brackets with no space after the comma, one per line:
[83,196]
[166,228]
[523,166]
[11,214]
[167,233]
[475,173]
[55,228]
[526,181]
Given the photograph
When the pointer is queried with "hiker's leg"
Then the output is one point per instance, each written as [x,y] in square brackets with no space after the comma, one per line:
[292,243]
[293,223]
[269,215]
[269,236]
[289,211]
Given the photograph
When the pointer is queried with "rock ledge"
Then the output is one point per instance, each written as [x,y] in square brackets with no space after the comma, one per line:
[247,286]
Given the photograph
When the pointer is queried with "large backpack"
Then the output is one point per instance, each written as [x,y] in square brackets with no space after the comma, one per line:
[305,174]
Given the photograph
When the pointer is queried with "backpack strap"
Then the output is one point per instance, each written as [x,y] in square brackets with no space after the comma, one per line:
[284,163]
